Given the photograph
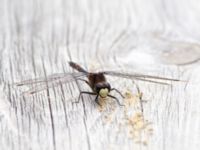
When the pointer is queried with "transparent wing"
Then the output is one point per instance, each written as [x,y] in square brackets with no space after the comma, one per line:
[51,78]
[40,84]
[141,77]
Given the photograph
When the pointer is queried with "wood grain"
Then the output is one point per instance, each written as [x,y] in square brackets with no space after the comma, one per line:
[38,38]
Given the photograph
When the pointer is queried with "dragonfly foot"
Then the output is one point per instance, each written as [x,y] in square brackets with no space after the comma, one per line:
[122,105]
[98,103]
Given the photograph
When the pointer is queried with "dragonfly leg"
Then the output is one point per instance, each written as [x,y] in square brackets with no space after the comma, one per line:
[84,92]
[140,96]
[116,100]
[114,89]
[96,100]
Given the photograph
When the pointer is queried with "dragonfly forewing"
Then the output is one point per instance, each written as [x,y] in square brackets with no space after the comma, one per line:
[51,78]
[40,84]
[141,77]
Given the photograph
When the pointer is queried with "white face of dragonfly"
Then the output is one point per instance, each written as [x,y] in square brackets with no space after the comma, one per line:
[103,92]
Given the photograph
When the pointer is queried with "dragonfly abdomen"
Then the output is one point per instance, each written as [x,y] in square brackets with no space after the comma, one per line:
[95,78]
[77,67]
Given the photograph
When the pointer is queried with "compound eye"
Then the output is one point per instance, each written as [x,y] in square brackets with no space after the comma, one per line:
[109,87]
[97,88]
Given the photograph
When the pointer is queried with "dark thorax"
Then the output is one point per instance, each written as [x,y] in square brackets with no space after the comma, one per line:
[98,81]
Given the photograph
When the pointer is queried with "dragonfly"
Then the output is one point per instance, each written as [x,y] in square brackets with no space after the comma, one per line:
[97,81]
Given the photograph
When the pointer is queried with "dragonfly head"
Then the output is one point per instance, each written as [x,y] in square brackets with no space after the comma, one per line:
[103,89]
[103,92]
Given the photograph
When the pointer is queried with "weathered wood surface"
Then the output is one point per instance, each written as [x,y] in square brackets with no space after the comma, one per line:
[38,38]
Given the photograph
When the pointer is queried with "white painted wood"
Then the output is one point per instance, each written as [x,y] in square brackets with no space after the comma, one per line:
[150,37]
